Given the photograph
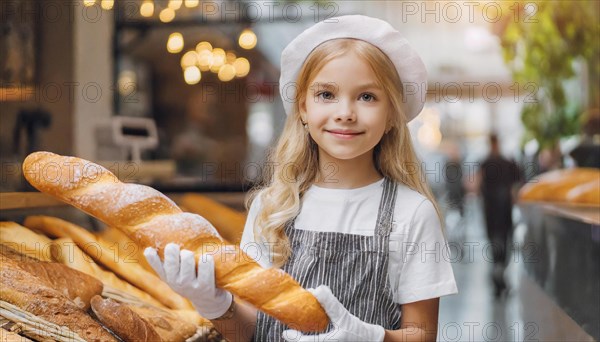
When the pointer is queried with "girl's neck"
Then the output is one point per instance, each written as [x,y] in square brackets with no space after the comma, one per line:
[347,174]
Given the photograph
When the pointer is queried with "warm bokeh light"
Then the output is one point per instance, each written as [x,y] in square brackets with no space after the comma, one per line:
[107,4]
[192,75]
[127,82]
[89,3]
[191,3]
[218,59]
[175,4]
[242,67]
[226,72]
[230,57]
[167,15]
[205,60]
[147,9]
[175,42]
[247,39]
[203,46]
[188,59]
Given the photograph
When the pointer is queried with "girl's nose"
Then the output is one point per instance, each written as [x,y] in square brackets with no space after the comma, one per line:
[345,111]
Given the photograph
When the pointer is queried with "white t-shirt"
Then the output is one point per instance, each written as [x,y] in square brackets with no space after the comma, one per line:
[419,263]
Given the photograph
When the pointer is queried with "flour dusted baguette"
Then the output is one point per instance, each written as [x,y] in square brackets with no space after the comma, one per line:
[101,251]
[151,219]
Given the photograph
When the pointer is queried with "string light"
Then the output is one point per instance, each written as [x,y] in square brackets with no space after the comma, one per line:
[203,46]
[166,15]
[247,39]
[192,75]
[191,3]
[175,42]
[147,9]
[175,4]
[218,59]
[226,72]
[107,4]
[88,3]
[205,60]
[242,67]
[188,59]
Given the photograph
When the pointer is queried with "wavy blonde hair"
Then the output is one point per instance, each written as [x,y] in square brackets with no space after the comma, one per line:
[294,161]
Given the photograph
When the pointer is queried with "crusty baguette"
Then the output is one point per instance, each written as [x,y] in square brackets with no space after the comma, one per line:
[127,248]
[102,252]
[146,324]
[228,222]
[65,251]
[31,294]
[25,241]
[77,286]
[151,219]
[123,321]
[555,185]
[586,193]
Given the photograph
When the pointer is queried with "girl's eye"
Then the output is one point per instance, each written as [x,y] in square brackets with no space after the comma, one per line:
[325,95]
[367,97]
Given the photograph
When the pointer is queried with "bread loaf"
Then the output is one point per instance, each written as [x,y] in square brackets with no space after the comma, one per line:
[128,249]
[28,292]
[554,186]
[77,286]
[145,324]
[25,241]
[228,222]
[65,251]
[102,252]
[151,219]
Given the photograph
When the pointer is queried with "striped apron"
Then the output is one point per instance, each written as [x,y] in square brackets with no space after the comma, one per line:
[355,267]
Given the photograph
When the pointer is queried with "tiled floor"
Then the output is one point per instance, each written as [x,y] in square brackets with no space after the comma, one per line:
[525,313]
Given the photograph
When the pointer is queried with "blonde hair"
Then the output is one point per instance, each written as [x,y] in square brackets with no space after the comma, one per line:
[294,160]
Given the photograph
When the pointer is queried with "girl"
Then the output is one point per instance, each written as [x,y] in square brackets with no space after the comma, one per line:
[347,211]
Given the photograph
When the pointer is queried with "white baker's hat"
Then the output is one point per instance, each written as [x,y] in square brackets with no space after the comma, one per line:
[377,32]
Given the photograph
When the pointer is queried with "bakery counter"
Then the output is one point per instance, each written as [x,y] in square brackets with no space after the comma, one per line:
[561,253]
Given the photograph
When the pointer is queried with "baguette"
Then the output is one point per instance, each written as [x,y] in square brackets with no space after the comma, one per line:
[146,324]
[25,241]
[228,222]
[78,287]
[151,219]
[126,248]
[33,295]
[101,251]
[555,185]
[65,251]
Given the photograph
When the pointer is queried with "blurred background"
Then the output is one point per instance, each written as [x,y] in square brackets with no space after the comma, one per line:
[183,96]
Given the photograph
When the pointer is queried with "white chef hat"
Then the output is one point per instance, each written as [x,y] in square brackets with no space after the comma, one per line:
[379,33]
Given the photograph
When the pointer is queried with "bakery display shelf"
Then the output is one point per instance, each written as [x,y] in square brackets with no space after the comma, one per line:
[22,200]
[586,213]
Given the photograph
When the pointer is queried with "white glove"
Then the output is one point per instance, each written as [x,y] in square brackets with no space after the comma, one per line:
[179,271]
[346,326]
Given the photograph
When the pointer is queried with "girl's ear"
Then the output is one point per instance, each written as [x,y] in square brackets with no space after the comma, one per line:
[302,108]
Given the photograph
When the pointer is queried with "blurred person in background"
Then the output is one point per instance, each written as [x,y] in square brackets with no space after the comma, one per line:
[498,178]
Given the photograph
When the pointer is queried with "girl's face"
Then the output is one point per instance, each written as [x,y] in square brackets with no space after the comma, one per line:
[346,111]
